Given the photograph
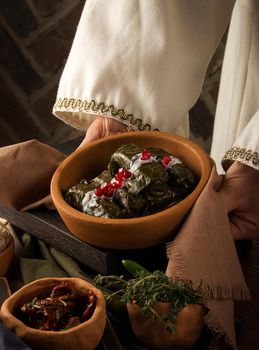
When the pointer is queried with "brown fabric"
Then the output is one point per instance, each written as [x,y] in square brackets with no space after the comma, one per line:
[204,251]
[25,173]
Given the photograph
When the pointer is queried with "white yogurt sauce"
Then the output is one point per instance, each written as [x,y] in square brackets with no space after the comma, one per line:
[89,200]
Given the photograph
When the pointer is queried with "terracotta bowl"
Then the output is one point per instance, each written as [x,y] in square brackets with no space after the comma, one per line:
[88,161]
[6,258]
[188,326]
[85,336]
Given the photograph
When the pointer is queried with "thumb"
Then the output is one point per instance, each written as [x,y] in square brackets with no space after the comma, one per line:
[91,135]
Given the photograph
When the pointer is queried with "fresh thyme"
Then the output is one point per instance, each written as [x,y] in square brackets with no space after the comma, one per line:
[147,289]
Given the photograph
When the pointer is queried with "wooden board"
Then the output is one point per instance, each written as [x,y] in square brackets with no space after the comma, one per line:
[48,226]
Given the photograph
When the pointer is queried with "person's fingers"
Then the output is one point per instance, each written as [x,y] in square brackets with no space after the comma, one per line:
[93,133]
[243,228]
[101,127]
[228,193]
[113,126]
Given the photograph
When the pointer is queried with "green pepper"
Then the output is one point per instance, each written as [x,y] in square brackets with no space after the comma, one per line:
[133,267]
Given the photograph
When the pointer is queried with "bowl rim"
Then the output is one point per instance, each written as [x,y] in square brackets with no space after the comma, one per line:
[60,202]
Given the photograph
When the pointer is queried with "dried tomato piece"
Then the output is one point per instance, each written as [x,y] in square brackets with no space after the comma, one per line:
[63,288]
[91,301]
[63,309]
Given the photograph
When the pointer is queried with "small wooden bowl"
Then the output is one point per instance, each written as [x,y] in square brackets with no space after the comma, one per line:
[6,258]
[90,160]
[85,336]
[188,326]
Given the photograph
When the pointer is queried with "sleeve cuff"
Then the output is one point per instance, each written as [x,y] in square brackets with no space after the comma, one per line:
[80,113]
[243,155]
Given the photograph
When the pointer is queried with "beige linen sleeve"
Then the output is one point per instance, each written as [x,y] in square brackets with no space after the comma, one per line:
[141,62]
[238,100]
[246,147]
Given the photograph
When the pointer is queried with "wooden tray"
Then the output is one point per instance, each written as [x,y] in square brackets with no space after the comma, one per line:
[48,227]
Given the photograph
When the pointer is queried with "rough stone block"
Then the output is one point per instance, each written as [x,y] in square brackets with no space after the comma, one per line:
[201,121]
[17,66]
[14,117]
[19,17]
[58,131]
[47,8]
[57,43]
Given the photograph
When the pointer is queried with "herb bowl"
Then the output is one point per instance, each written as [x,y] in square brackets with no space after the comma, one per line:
[127,233]
[86,335]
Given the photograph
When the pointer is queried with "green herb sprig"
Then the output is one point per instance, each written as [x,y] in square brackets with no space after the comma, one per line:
[148,288]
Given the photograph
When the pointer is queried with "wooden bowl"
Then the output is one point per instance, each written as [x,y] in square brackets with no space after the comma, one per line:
[88,161]
[85,336]
[188,326]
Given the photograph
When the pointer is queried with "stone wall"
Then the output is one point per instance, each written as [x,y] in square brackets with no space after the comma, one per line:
[35,37]
[203,112]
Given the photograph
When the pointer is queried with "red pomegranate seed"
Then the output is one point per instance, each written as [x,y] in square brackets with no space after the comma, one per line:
[145,155]
[119,176]
[109,191]
[105,186]
[117,184]
[98,191]
[126,173]
[166,160]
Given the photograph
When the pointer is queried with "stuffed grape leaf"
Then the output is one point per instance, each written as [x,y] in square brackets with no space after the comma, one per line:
[181,179]
[134,204]
[122,157]
[137,183]
[145,175]
[74,195]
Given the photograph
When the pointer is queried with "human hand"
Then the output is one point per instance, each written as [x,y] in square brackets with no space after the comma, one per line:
[240,192]
[101,127]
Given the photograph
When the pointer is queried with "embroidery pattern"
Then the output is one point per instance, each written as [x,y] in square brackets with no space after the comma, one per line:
[79,105]
[238,153]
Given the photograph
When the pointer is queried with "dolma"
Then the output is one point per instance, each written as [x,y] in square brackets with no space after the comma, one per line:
[158,152]
[105,208]
[105,176]
[75,194]
[158,195]
[134,204]
[181,179]
[122,158]
[138,182]
[144,171]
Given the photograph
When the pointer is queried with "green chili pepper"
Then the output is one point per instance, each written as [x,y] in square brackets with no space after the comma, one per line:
[133,267]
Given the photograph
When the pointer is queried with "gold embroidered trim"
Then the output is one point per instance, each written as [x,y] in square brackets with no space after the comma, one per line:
[238,153]
[78,105]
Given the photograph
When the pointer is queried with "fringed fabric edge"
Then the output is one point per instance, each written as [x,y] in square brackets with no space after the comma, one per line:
[236,291]
[217,331]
